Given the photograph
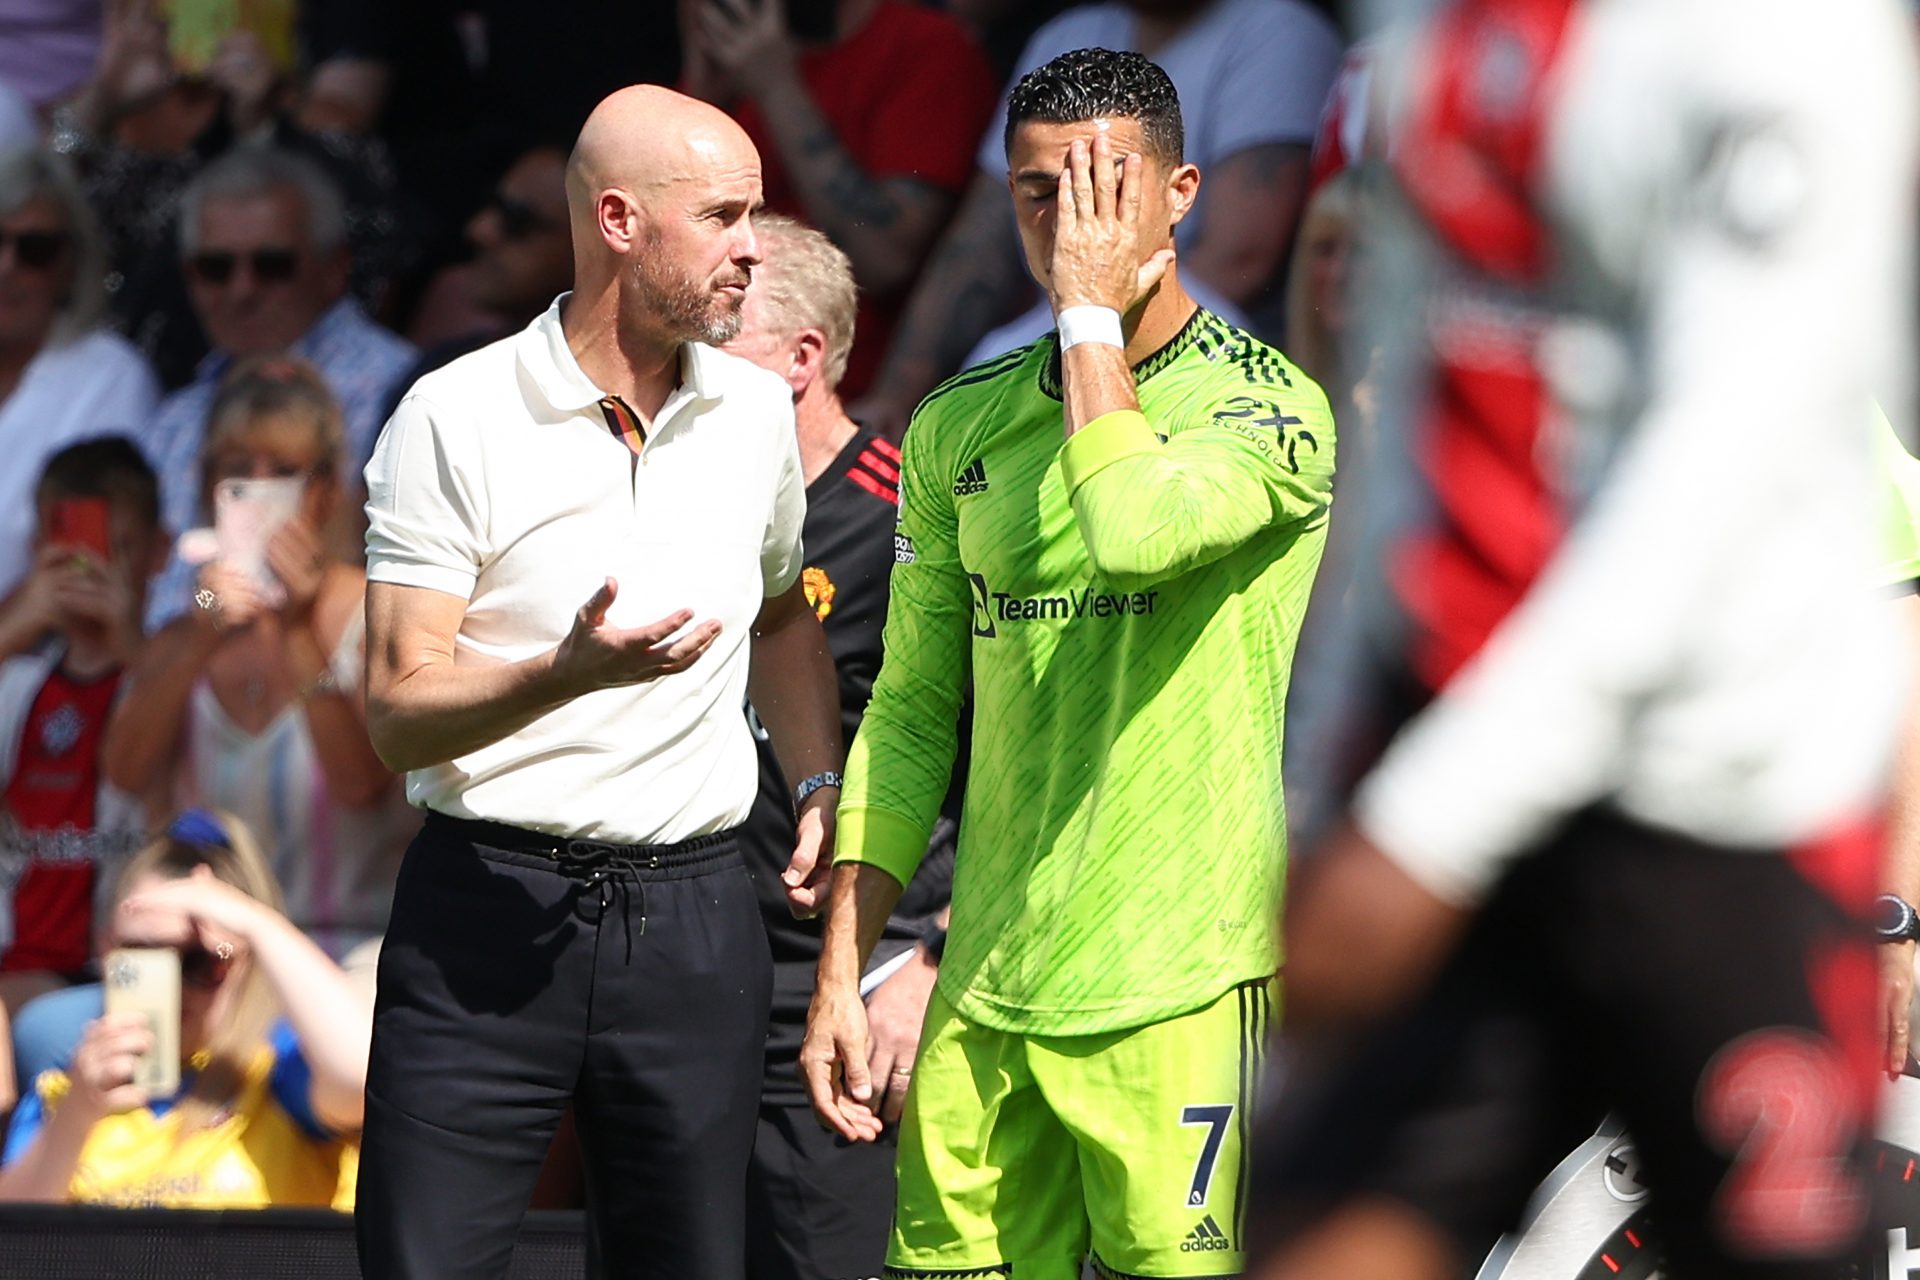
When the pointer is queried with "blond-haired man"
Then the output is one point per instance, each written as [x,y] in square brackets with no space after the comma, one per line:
[817,1208]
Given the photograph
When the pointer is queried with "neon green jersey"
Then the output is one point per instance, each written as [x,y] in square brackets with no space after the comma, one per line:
[1128,606]
[1900,474]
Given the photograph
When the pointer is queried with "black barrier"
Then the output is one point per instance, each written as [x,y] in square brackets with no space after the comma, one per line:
[69,1242]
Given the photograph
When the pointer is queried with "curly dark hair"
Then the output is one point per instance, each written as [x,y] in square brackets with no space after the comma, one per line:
[1087,84]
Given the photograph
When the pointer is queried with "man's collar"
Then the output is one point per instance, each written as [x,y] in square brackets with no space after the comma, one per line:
[702,370]
[548,360]
[543,353]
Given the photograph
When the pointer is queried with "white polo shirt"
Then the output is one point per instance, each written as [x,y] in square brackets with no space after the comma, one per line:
[499,481]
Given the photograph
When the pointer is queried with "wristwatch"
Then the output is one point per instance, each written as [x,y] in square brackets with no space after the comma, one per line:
[826,778]
[1895,919]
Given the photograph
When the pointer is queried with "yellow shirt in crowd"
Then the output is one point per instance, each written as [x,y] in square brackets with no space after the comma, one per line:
[267,1148]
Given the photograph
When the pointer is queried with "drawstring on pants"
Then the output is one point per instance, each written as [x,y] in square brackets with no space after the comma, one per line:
[608,872]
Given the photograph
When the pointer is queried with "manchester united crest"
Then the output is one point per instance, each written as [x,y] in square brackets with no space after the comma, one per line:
[819,588]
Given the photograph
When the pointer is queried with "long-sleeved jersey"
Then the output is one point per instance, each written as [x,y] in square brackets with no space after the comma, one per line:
[1668,271]
[1127,606]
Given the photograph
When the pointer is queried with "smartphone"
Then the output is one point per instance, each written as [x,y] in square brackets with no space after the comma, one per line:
[246,515]
[195,29]
[146,981]
[81,523]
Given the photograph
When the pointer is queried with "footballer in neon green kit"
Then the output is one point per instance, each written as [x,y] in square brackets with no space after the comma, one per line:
[1112,533]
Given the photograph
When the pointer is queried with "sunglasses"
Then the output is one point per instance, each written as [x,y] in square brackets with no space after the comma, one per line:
[36,249]
[518,219]
[269,266]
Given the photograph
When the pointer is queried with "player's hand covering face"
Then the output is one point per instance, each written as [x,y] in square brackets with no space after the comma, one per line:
[1096,212]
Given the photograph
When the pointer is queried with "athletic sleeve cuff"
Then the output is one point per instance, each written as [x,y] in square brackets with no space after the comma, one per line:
[880,839]
[1108,439]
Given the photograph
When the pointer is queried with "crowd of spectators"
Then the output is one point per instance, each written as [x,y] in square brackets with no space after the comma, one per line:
[225,255]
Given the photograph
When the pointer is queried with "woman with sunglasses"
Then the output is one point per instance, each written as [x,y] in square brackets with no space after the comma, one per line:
[251,702]
[62,376]
[273,1048]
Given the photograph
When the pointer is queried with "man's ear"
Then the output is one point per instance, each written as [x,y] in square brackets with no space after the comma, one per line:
[617,218]
[1183,188]
[809,350]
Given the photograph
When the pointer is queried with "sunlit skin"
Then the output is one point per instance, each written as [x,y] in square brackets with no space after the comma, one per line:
[30,297]
[246,315]
[662,189]
[1036,159]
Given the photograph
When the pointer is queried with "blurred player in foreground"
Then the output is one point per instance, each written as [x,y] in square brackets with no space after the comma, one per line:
[1632,819]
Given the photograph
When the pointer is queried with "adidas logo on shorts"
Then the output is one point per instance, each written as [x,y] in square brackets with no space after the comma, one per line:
[972,480]
[1205,1238]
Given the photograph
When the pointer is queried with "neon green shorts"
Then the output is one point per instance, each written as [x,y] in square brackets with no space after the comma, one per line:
[1031,1153]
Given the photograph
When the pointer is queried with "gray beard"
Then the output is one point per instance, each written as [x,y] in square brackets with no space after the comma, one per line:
[686,309]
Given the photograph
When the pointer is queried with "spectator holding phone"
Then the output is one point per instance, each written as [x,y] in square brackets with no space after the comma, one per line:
[865,114]
[272,1041]
[62,377]
[252,701]
[263,243]
[66,639]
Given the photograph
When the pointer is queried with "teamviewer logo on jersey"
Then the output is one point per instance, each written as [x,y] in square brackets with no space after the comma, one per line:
[1205,1238]
[972,480]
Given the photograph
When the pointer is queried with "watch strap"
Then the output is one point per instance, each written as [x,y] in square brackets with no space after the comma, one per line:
[811,784]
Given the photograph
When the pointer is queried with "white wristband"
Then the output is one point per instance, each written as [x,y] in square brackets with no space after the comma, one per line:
[1090,324]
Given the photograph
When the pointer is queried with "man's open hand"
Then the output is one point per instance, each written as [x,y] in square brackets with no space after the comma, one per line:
[1096,234]
[597,656]
[833,1063]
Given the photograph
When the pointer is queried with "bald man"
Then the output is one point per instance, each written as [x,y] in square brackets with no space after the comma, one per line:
[577,538]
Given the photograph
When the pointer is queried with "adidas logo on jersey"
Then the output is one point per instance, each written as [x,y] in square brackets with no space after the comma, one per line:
[972,480]
[1205,1238]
